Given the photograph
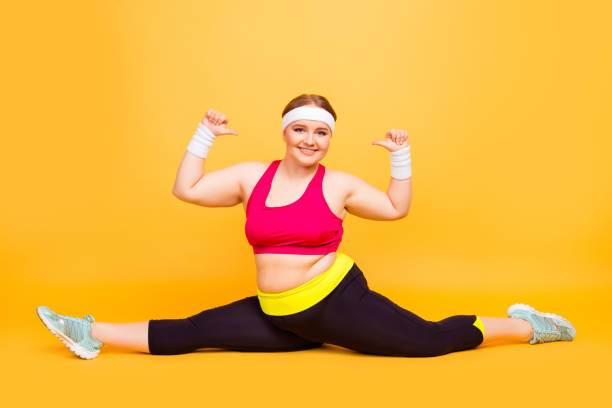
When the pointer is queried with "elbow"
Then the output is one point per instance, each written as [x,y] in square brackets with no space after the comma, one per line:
[180,194]
[403,214]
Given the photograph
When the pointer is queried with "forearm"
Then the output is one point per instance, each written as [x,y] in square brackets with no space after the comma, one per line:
[190,171]
[400,194]
[400,186]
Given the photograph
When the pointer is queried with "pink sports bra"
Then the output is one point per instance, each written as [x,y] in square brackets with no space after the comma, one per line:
[307,226]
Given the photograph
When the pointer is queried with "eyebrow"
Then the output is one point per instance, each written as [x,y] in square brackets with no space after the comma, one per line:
[320,127]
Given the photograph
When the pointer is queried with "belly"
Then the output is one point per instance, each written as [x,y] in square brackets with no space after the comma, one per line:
[280,272]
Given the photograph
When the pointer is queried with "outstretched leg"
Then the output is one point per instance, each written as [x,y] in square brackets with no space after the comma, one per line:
[499,330]
[240,326]
[133,336]
[358,318]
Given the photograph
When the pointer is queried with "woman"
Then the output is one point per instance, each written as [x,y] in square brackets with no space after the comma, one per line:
[307,292]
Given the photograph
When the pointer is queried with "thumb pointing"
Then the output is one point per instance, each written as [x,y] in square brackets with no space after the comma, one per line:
[230,131]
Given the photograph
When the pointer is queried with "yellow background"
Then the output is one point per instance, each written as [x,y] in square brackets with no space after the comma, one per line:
[507,105]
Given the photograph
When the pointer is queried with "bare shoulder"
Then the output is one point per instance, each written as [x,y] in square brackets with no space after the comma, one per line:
[340,180]
[252,169]
[251,172]
[340,176]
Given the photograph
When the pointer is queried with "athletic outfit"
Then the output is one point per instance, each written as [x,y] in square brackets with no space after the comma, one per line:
[335,307]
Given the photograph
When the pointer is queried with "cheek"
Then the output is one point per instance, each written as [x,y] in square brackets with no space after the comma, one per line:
[289,138]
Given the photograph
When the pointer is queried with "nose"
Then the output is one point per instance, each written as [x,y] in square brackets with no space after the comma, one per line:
[309,138]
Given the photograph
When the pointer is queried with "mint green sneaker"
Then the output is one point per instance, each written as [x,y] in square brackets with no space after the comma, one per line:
[547,327]
[74,332]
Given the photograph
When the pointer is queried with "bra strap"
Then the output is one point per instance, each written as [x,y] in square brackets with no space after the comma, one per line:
[262,188]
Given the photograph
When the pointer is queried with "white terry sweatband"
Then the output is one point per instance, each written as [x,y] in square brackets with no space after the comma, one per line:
[308,112]
[201,141]
[400,164]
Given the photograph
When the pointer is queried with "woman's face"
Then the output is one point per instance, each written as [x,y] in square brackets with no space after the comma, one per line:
[307,140]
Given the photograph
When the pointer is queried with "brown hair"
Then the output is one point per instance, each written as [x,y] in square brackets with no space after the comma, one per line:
[309,99]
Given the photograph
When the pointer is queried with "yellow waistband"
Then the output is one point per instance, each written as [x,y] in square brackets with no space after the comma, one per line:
[307,294]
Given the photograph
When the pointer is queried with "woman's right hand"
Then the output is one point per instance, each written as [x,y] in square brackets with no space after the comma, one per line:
[217,122]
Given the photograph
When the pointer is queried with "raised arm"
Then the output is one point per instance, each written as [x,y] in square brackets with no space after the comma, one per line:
[220,188]
[366,201]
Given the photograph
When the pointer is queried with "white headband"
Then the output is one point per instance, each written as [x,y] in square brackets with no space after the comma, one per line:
[308,112]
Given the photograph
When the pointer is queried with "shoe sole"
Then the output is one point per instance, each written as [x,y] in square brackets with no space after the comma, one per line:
[522,306]
[74,347]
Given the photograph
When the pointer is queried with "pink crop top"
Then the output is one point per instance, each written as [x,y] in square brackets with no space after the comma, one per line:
[307,226]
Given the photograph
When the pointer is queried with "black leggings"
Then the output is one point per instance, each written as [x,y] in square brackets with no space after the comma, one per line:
[351,316]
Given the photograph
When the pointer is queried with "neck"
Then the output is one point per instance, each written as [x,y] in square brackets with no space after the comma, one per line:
[297,171]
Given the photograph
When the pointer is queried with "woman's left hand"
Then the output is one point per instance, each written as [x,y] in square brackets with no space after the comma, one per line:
[395,139]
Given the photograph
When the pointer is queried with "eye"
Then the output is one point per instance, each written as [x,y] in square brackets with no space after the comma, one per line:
[297,128]
[322,132]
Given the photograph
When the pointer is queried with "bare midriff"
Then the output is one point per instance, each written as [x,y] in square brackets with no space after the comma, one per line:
[280,272]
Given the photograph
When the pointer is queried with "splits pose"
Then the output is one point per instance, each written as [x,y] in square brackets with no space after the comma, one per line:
[308,293]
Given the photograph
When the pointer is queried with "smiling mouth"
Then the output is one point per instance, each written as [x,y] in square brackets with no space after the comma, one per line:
[307,152]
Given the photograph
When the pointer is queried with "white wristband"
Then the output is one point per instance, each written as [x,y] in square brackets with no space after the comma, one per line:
[400,164]
[201,141]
